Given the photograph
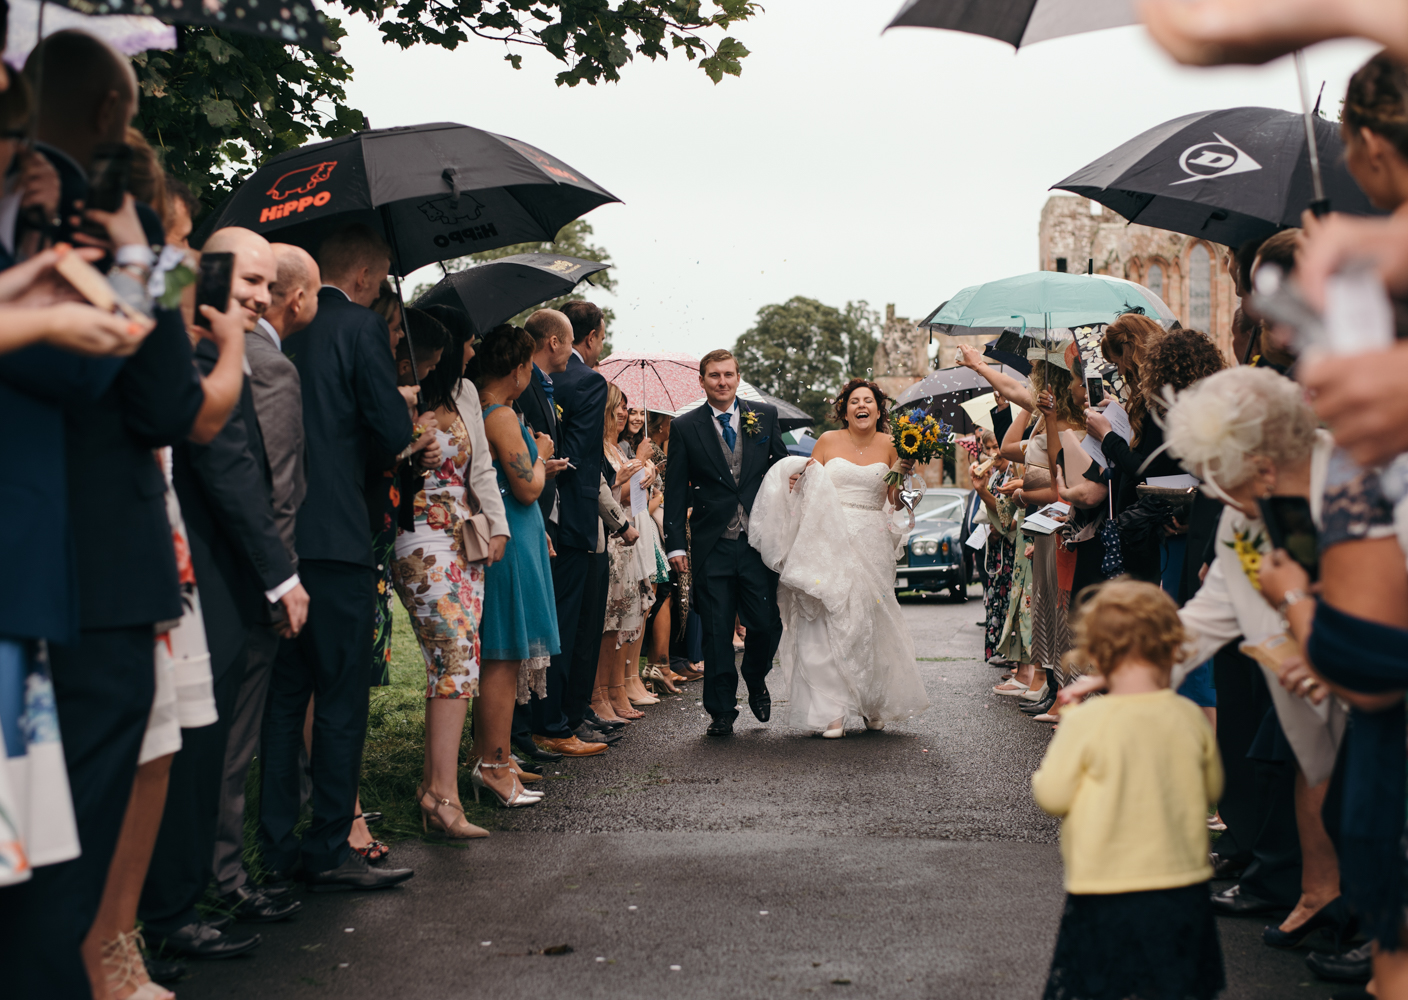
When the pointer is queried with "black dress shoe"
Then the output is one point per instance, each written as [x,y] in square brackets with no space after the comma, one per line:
[370,818]
[590,734]
[760,701]
[720,727]
[162,971]
[355,873]
[1353,966]
[1234,902]
[200,940]
[1038,707]
[530,767]
[600,723]
[220,922]
[251,905]
[531,751]
[1226,867]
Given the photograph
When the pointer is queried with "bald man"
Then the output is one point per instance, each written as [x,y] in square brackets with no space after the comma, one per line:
[278,406]
[245,571]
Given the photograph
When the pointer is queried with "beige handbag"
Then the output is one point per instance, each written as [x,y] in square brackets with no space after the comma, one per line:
[474,531]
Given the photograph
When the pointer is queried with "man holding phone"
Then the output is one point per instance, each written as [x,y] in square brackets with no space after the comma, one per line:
[244,571]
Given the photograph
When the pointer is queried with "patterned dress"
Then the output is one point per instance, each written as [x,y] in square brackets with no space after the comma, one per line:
[384,498]
[1000,555]
[1015,643]
[443,594]
[631,592]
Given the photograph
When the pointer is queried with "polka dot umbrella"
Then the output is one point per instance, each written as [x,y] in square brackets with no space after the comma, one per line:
[943,394]
[664,381]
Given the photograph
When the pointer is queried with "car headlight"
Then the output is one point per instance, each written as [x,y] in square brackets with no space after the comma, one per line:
[925,547]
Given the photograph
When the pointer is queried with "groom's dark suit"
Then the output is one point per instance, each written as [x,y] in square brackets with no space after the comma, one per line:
[729,576]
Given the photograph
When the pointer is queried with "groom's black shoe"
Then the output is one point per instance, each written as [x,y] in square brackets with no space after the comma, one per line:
[720,727]
[760,701]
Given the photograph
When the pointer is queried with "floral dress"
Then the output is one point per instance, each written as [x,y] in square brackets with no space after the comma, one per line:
[1015,643]
[385,498]
[443,594]
[631,592]
[1000,555]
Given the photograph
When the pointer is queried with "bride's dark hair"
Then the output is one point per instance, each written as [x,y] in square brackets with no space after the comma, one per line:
[882,420]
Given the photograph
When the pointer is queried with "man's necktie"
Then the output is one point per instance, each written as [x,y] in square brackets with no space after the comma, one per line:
[730,435]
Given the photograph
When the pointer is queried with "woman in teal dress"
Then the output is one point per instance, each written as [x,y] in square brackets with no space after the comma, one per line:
[518,634]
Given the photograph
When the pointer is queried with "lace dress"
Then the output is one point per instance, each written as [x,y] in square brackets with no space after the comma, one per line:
[846,651]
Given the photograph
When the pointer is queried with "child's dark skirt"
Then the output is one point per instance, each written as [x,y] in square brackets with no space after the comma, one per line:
[1159,945]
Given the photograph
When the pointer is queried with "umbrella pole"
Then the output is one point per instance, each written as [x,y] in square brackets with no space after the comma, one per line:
[1321,205]
[401,299]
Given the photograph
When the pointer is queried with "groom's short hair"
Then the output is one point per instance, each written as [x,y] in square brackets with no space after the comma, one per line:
[713,356]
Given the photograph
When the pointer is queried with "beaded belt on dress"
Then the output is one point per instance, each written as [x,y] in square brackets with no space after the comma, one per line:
[858,506]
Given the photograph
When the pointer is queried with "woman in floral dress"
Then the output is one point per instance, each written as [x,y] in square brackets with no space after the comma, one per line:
[445,597]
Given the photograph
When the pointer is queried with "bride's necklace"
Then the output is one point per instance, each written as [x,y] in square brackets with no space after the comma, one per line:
[860,451]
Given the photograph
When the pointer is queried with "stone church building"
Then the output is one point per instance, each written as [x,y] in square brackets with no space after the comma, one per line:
[1189,274]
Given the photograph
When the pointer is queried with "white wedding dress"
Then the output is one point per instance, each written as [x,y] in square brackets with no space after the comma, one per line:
[846,651]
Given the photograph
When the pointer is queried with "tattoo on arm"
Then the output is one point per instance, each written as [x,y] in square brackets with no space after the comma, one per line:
[522,466]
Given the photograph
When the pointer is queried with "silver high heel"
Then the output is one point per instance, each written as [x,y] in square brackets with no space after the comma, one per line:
[520,796]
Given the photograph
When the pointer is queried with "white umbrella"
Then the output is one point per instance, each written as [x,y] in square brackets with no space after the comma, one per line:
[127,33]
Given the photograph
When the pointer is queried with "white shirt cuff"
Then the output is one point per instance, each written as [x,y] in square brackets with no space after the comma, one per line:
[676,552]
[278,592]
[138,254]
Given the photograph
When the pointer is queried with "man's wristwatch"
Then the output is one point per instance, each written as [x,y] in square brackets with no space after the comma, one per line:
[1292,598]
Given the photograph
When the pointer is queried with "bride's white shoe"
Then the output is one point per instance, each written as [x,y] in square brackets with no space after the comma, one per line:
[874,726]
[837,730]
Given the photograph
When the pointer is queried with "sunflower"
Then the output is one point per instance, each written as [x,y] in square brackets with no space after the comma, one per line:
[910,439]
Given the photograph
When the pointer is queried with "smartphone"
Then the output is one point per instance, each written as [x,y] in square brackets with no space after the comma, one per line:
[213,284]
[108,178]
[1094,391]
[1290,527]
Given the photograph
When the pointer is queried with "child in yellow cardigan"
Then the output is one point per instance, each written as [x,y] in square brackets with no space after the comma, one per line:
[1132,774]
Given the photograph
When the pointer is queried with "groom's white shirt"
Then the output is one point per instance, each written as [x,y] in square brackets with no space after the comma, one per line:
[732,412]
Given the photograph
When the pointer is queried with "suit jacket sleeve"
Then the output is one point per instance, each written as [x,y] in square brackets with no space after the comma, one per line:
[588,411]
[278,407]
[234,484]
[615,516]
[161,391]
[482,478]
[374,384]
[56,376]
[676,491]
[777,448]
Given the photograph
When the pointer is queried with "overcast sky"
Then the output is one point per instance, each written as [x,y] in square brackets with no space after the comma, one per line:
[841,165]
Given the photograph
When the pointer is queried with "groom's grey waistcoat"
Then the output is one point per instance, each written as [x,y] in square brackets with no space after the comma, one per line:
[734,457]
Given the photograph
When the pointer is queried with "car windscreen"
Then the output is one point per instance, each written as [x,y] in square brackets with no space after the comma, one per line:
[938,507]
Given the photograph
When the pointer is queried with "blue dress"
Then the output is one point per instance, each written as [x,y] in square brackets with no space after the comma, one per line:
[520,614]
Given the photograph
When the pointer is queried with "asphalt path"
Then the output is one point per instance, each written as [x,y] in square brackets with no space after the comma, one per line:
[908,863]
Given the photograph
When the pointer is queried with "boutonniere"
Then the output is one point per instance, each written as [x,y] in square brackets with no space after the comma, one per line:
[558,408]
[750,422]
[1248,551]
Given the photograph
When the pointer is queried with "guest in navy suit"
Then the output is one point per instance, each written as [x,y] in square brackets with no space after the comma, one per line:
[579,572]
[242,569]
[352,413]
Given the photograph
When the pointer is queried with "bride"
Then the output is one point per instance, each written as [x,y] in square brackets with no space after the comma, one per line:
[823,525]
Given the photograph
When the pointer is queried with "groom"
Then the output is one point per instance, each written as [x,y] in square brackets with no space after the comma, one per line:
[719,454]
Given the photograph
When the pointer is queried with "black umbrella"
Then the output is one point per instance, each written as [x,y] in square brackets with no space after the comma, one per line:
[497,290]
[1225,176]
[1017,22]
[790,417]
[434,191]
[296,22]
[943,393]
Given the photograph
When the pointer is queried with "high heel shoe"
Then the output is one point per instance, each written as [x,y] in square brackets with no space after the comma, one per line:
[527,777]
[455,828]
[836,730]
[655,673]
[520,796]
[874,725]
[1334,916]
[122,958]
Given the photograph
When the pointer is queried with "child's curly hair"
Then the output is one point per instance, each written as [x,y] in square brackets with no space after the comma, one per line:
[1122,619]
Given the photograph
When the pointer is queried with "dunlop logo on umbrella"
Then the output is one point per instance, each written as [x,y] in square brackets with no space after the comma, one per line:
[298,182]
[564,266]
[1214,159]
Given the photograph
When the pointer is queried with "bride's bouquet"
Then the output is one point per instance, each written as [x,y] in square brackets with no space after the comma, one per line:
[917,436]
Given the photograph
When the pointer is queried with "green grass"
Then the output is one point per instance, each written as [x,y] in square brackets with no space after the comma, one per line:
[393,757]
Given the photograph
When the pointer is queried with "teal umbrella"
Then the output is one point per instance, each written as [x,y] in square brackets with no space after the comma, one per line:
[1050,300]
